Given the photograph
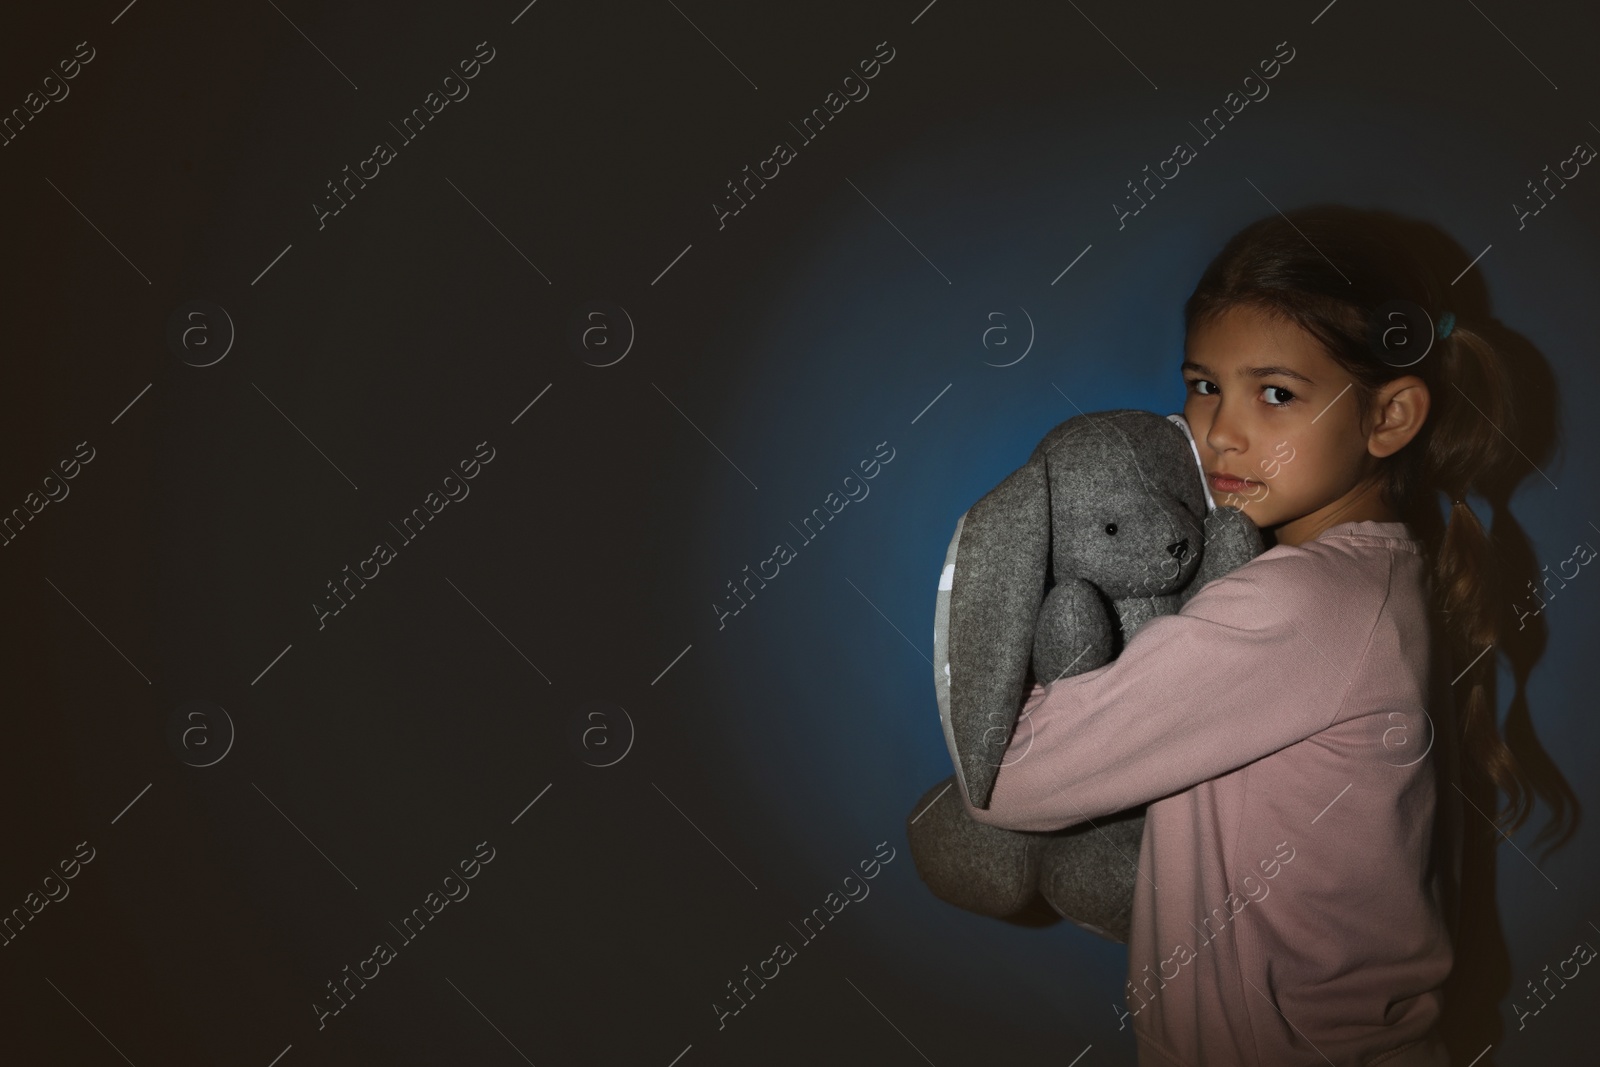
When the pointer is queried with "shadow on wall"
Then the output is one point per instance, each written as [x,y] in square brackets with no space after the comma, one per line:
[1482,979]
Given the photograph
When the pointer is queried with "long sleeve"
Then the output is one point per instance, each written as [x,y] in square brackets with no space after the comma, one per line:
[1288,907]
[1257,660]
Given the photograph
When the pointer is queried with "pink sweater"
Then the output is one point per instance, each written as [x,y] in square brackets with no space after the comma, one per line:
[1293,901]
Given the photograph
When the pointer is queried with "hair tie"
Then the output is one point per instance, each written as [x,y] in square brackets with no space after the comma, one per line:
[1447,322]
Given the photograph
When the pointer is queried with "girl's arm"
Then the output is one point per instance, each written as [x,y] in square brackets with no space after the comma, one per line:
[1257,660]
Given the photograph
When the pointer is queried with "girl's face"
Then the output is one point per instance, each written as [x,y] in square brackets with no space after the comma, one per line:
[1277,427]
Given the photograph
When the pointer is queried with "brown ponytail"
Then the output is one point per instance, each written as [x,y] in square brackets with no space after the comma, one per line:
[1329,270]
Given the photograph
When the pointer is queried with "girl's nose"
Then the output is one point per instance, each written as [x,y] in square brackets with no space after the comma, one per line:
[1221,435]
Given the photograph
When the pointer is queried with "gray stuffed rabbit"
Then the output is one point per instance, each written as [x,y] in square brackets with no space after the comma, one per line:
[1108,524]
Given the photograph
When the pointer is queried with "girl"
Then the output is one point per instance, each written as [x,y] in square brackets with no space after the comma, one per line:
[1294,728]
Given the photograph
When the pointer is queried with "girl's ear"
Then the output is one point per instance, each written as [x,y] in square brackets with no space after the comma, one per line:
[1401,407]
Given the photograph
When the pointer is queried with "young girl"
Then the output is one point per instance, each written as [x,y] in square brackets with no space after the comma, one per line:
[1295,727]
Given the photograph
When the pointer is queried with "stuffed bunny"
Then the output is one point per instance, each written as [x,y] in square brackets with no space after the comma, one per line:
[1108,524]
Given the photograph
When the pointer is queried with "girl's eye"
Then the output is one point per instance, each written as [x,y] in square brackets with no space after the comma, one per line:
[1111,527]
[1196,383]
[1269,390]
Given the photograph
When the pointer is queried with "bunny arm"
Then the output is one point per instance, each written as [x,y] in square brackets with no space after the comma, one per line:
[1073,633]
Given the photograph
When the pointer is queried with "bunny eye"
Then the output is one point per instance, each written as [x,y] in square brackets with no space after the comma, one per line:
[1111,527]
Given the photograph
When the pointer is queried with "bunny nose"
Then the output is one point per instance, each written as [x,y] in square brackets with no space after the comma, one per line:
[1179,549]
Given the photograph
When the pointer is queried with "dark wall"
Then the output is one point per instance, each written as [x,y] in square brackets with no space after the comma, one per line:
[538,329]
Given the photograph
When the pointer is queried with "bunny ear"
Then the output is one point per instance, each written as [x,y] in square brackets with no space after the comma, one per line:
[988,601]
[1183,424]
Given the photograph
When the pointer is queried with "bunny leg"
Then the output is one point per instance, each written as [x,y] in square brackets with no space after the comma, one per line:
[980,868]
[1088,873]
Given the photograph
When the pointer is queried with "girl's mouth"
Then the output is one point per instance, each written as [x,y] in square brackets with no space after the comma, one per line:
[1227,483]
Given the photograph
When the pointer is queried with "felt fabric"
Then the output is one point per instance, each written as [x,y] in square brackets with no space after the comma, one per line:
[1087,873]
[1183,424]
[1113,498]
[982,869]
[997,563]
[1107,526]
[1292,890]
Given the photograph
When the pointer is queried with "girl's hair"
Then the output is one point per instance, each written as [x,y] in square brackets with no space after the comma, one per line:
[1332,270]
